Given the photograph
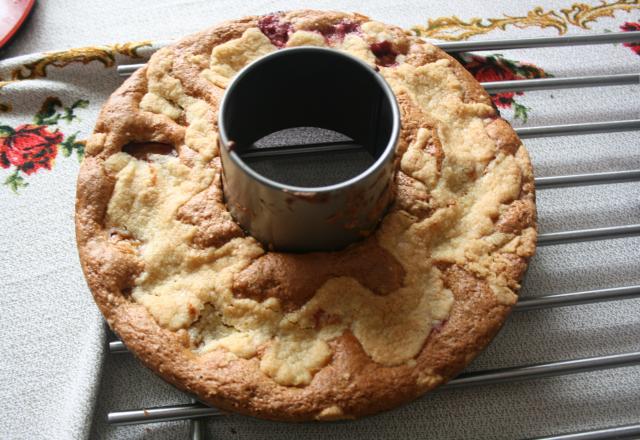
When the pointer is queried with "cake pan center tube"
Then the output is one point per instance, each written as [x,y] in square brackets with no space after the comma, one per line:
[284,195]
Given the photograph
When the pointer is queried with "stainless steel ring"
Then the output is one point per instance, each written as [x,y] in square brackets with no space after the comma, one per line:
[308,87]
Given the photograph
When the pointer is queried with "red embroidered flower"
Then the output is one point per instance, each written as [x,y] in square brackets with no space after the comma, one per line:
[486,69]
[29,147]
[497,68]
[630,26]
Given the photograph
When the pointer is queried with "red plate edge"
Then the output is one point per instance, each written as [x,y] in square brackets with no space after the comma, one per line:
[25,12]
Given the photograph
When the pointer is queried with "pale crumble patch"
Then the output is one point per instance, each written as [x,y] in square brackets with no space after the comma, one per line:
[200,134]
[378,322]
[524,244]
[95,143]
[197,59]
[428,379]
[377,31]
[460,127]
[209,329]
[215,331]
[356,46]
[166,95]
[417,163]
[228,58]
[157,104]
[243,345]
[191,288]
[306,38]
[478,209]
[173,312]
[215,79]
[333,412]
[159,79]
[292,359]
[503,293]
[487,267]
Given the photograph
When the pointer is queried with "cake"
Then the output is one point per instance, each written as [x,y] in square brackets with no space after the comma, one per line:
[324,336]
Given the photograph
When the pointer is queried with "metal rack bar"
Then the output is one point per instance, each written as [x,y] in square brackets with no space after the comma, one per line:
[527,85]
[128,69]
[161,414]
[117,347]
[578,129]
[528,43]
[539,371]
[524,43]
[587,179]
[563,237]
[577,298]
[286,150]
[502,375]
[196,427]
[614,432]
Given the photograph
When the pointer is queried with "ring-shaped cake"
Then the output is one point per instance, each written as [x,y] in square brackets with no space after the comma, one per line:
[323,336]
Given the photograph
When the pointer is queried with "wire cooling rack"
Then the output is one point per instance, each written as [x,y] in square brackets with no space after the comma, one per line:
[196,412]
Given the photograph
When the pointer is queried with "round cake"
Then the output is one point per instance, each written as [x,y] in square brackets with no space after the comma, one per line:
[303,336]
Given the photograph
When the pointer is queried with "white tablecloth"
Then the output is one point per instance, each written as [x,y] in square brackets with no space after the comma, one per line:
[56,381]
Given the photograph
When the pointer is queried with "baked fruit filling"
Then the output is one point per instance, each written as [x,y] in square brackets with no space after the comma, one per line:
[419,297]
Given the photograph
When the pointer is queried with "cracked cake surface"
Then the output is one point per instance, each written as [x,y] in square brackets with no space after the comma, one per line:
[326,335]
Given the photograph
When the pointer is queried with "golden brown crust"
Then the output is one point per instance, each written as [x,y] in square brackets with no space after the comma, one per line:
[351,384]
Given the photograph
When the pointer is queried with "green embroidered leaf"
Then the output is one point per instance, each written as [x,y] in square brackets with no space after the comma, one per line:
[521,112]
[5,130]
[69,115]
[67,146]
[66,150]
[80,151]
[80,103]
[15,181]
[70,145]
[48,114]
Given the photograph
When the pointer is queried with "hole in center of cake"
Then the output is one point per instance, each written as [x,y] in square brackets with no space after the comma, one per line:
[307,157]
